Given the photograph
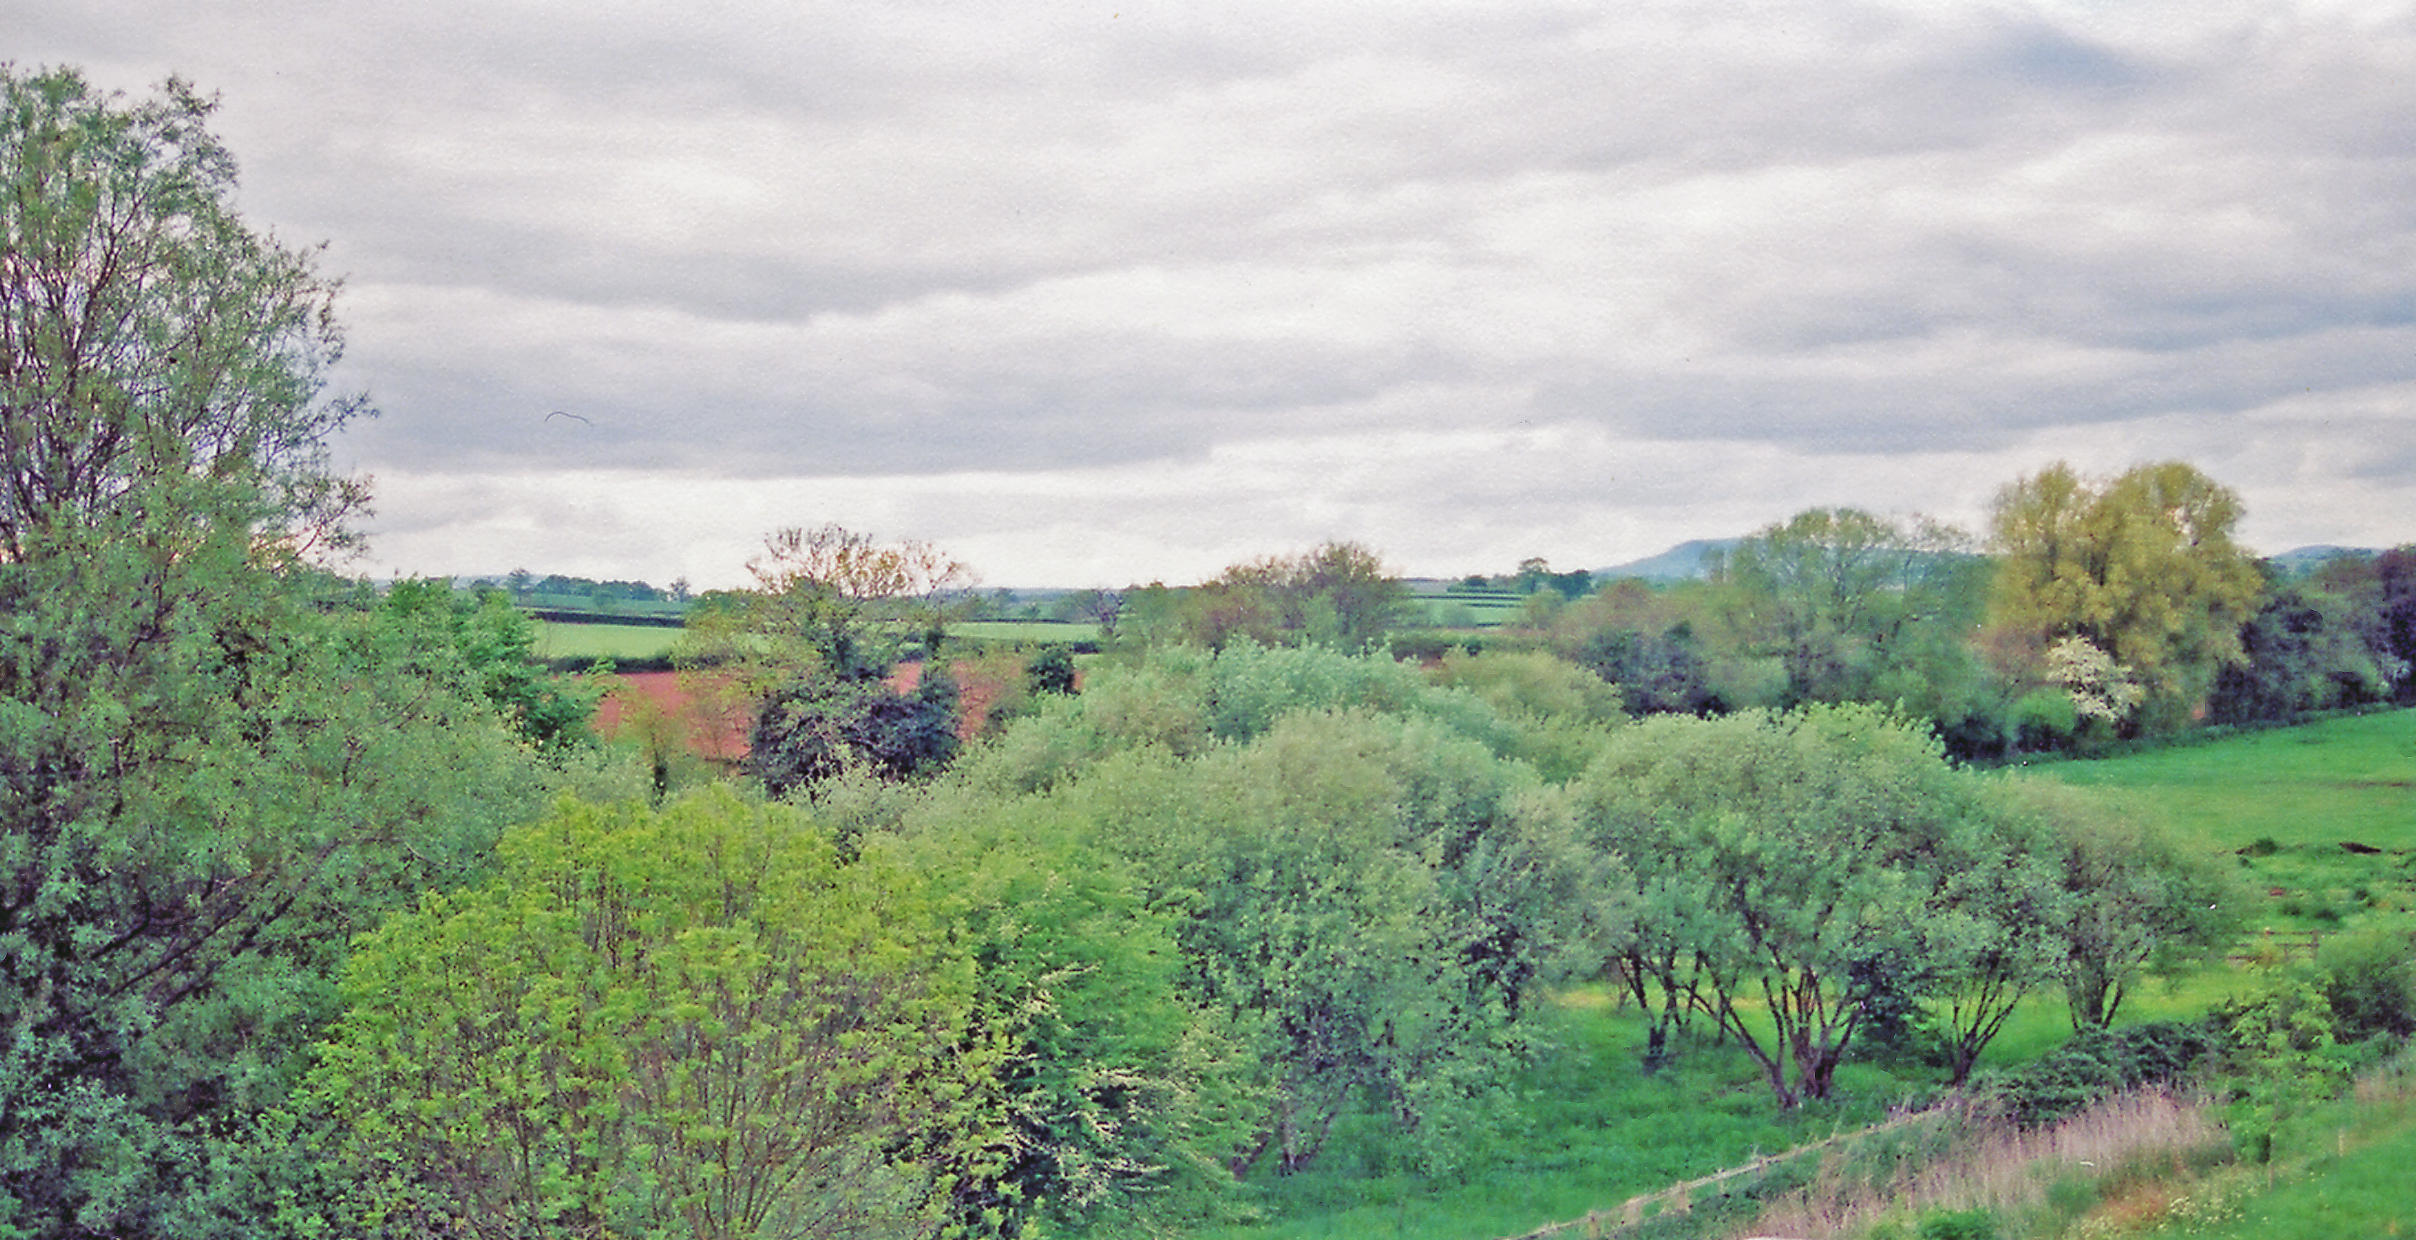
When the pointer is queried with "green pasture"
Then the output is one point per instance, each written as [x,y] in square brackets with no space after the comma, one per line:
[2348,779]
[2298,810]
[560,640]
[556,640]
[2361,1185]
[1464,609]
[1036,632]
[1590,1129]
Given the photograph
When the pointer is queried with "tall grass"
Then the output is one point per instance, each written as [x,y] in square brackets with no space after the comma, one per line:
[2149,1162]
[1965,1161]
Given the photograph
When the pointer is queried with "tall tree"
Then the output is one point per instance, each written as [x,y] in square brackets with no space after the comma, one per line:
[211,782]
[1788,870]
[837,600]
[2142,903]
[152,347]
[2308,649]
[2141,566]
[806,654]
[1836,592]
[1338,594]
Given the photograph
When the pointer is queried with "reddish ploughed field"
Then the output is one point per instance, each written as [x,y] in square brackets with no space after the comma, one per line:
[725,740]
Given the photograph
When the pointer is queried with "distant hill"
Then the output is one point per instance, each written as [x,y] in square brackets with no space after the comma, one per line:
[1688,561]
[2299,561]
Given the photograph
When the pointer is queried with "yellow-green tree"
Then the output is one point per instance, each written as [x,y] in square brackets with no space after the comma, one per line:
[2141,566]
[691,1021]
[1338,594]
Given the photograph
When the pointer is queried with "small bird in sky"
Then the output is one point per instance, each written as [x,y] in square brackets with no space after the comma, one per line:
[560,414]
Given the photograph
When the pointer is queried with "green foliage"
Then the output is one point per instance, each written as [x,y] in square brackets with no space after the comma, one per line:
[1643,641]
[2368,979]
[2358,1189]
[1836,592]
[2142,567]
[153,342]
[1337,595]
[210,783]
[2279,1056]
[1186,700]
[1976,1224]
[208,794]
[487,644]
[1787,869]
[690,1021]
[2140,901]
[1364,887]
[805,654]
[1533,683]
[1353,886]
[2307,650]
[813,729]
[2098,1063]
[1051,670]
[2045,720]
[1118,1098]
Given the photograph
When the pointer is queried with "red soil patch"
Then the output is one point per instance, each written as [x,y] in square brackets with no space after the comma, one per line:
[637,698]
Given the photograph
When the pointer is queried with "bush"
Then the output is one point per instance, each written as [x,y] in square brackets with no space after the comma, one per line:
[1050,671]
[811,730]
[2045,720]
[2098,1064]
[2369,981]
[1958,1225]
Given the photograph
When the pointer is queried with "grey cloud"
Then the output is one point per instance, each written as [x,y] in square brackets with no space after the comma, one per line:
[797,241]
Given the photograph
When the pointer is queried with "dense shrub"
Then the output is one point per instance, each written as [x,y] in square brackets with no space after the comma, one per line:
[2098,1063]
[2369,981]
[813,729]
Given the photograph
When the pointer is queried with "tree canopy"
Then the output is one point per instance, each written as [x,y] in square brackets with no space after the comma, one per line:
[2141,566]
[154,350]
[216,773]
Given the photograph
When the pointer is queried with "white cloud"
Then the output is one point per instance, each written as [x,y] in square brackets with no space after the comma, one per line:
[1100,292]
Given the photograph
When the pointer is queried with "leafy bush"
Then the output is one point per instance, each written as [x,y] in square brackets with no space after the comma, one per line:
[813,729]
[2369,980]
[1958,1225]
[1051,670]
[2045,720]
[2098,1063]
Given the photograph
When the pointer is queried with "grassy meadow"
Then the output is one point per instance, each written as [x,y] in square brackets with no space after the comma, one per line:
[2321,818]
[558,640]
[1035,632]
[1444,605]
[1589,1130]
[563,640]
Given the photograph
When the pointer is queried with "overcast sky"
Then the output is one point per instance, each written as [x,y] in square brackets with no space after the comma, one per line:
[1091,293]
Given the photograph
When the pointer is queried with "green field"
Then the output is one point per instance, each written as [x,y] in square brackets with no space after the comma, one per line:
[1034,631]
[556,640]
[1591,1130]
[2364,1186]
[2350,779]
[2298,808]
[1464,608]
